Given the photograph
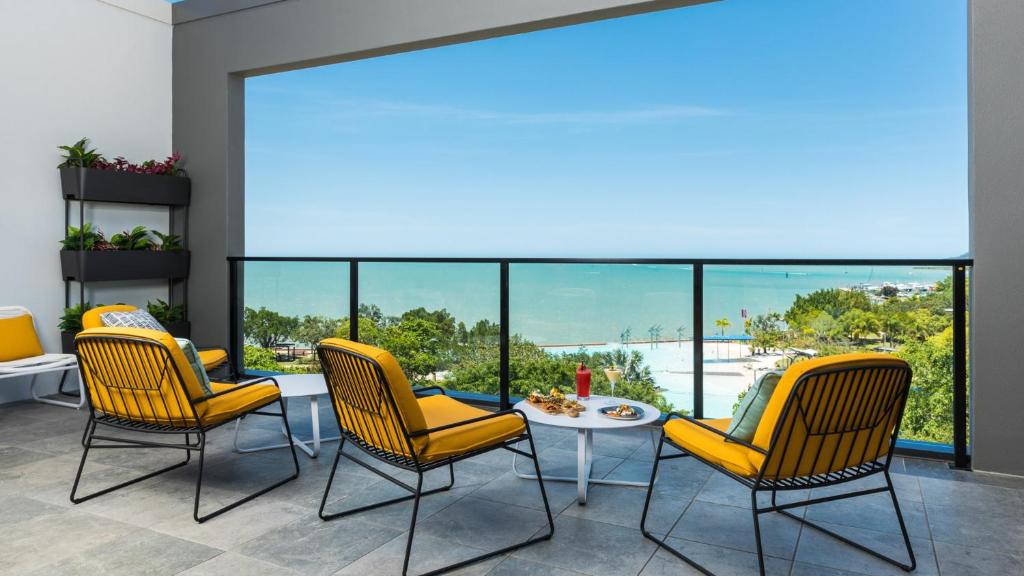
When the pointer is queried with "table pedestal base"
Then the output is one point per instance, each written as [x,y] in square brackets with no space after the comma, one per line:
[584,468]
[311,451]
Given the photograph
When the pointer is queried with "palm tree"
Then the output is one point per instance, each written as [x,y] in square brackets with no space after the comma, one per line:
[655,333]
[625,335]
[679,334]
[722,323]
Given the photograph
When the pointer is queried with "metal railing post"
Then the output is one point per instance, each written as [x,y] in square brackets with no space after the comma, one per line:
[698,340]
[505,380]
[353,300]
[961,457]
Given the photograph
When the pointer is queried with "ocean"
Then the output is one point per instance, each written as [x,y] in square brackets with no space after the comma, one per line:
[563,304]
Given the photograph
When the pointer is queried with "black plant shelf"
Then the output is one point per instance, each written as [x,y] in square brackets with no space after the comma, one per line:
[67,342]
[112,186]
[99,266]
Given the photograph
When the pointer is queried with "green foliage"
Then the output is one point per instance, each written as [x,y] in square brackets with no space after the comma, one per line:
[312,329]
[857,324]
[71,319]
[268,328]
[256,358]
[79,155]
[832,301]
[168,242]
[136,239]
[165,313]
[766,331]
[722,324]
[85,238]
[929,413]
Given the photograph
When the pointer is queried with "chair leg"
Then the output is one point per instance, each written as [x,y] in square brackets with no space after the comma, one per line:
[899,516]
[414,493]
[757,529]
[90,430]
[199,478]
[662,542]
[412,523]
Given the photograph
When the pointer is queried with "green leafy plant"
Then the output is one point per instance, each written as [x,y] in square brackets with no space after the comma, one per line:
[85,238]
[168,242]
[71,320]
[137,239]
[165,313]
[79,155]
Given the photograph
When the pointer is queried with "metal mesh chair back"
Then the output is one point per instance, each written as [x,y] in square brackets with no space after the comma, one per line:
[365,402]
[838,422]
[135,381]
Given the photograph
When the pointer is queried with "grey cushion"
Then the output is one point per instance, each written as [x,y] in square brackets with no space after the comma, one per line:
[133,319]
[748,413]
[190,352]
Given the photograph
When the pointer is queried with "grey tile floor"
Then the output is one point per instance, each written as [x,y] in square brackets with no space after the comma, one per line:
[960,522]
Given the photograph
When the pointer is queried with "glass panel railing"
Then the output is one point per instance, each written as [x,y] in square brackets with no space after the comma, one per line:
[287,307]
[761,318]
[637,317]
[440,321]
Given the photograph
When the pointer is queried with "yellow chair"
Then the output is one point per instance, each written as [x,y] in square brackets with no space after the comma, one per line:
[211,357]
[829,421]
[415,430]
[140,381]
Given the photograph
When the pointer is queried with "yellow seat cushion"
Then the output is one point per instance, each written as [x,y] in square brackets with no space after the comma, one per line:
[19,339]
[229,406]
[714,448]
[212,358]
[440,410]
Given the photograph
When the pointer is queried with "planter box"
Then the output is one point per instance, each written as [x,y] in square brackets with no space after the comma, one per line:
[94,266]
[67,342]
[181,329]
[112,186]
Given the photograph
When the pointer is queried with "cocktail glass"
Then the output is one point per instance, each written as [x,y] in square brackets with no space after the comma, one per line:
[614,375]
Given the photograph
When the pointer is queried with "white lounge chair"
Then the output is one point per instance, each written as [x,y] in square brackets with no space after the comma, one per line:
[35,365]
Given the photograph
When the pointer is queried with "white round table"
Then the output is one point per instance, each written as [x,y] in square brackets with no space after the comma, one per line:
[585,424]
[310,386]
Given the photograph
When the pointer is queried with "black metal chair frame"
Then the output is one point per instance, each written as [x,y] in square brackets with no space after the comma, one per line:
[413,464]
[836,423]
[103,416]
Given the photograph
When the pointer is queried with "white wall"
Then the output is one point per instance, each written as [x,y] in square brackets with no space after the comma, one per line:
[74,68]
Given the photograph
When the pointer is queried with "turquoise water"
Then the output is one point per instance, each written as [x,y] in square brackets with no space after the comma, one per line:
[562,303]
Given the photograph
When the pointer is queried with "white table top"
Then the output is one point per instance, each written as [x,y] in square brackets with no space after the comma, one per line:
[296,385]
[590,418]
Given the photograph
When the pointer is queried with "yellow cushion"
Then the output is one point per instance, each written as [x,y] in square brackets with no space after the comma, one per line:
[223,408]
[712,447]
[802,454]
[441,410]
[383,435]
[212,358]
[19,339]
[116,376]
[91,318]
[770,418]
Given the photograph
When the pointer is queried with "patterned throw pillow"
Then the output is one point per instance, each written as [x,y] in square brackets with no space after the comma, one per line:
[133,319]
[192,355]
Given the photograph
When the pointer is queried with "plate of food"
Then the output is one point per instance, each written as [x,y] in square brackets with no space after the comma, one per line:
[555,402]
[622,412]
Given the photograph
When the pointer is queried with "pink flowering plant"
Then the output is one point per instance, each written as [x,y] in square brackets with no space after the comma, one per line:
[79,155]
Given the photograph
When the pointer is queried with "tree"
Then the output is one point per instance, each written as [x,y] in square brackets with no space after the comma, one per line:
[832,301]
[766,331]
[723,324]
[680,331]
[312,329]
[857,324]
[256,358]
[625,336]
[928,415]
[266,327]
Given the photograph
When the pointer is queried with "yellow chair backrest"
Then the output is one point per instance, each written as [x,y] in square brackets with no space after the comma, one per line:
[18,338]
[832,413]
[140,375]
[91,318]
[371,396]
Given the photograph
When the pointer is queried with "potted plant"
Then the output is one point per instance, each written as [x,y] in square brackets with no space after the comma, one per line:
[70,325]
[87,255]
[171,317]
[86,175]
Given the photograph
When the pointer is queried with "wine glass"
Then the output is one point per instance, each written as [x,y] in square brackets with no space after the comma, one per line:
[614,375]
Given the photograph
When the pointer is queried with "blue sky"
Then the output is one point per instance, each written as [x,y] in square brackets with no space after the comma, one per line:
[812,128]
